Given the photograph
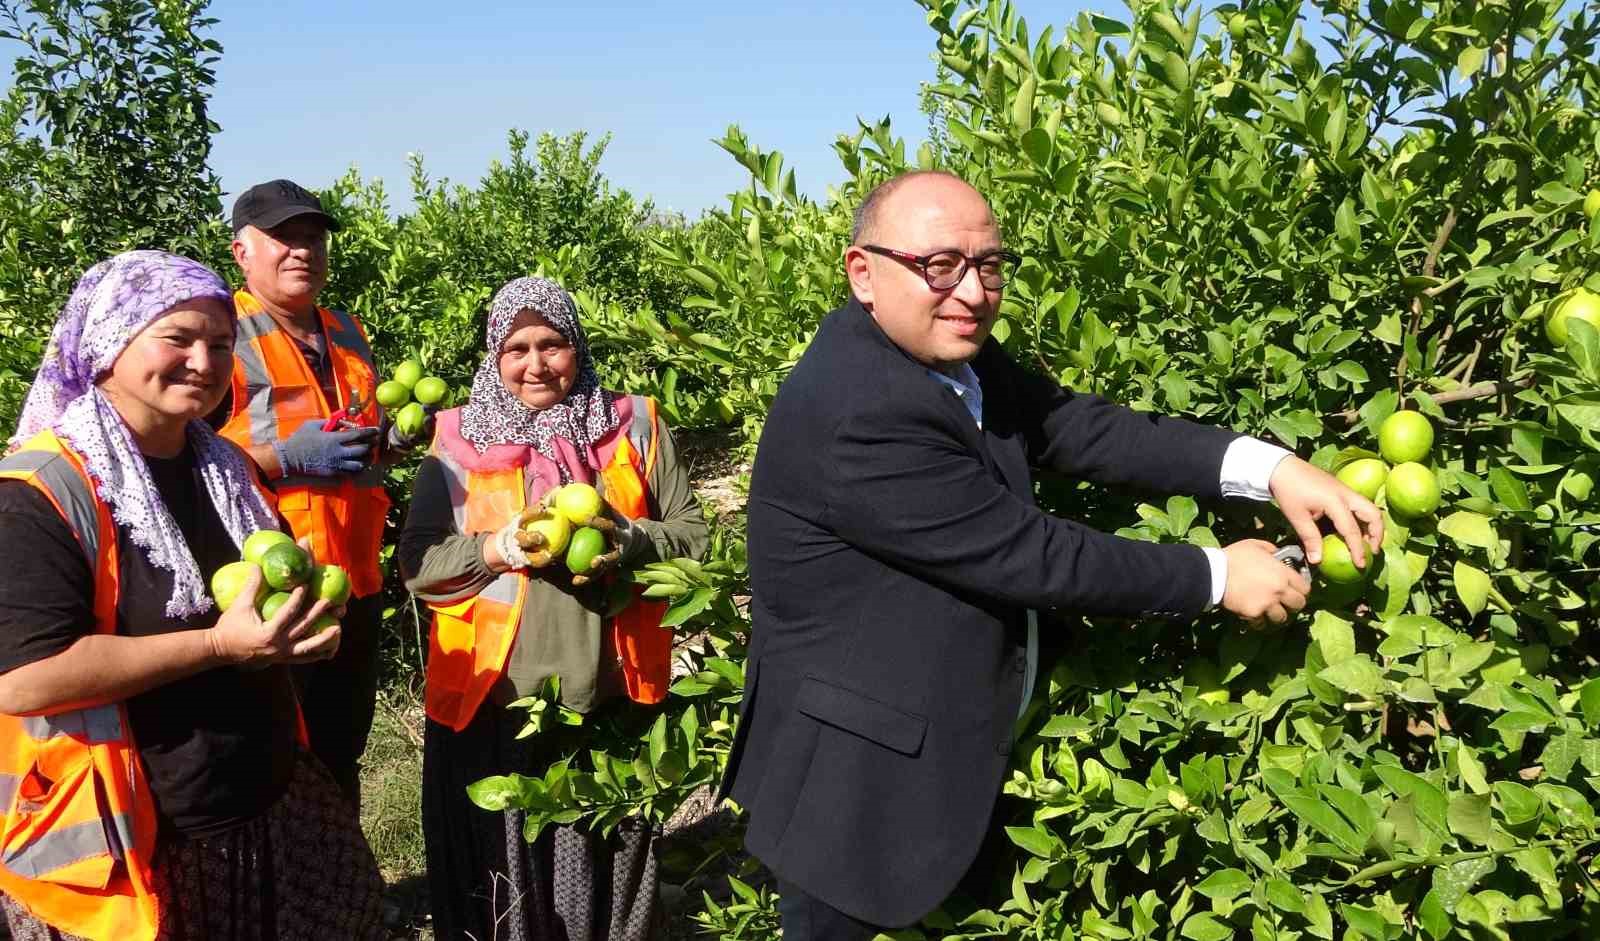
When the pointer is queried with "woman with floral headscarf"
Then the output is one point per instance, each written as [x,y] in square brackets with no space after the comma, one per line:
[152,774]
[508,616]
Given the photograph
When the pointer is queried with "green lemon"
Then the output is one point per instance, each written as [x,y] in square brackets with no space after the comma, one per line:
[272,603]
[228,581]
[408,373]
[579,503]
[1405,436]
[1412,491]
[257,543]
[286,566]
[586,544]
[1337,566]
[554,528]
[430,390]
[1364,476]
[392,394]
[411,420]
[1582,304]
[331,583]
[323,622]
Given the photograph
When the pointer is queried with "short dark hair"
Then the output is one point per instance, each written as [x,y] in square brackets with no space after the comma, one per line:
[866,216]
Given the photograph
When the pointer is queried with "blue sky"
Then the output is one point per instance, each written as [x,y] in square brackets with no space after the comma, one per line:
[305,90]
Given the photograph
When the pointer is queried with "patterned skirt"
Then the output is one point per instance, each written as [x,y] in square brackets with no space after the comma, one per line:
[302,870]
[487,883]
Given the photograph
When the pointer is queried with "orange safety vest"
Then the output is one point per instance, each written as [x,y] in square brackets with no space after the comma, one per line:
[471,639]
[274,393]
[80,822]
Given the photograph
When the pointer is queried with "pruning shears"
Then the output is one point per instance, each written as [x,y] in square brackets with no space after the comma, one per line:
[1295,558]
[351,413]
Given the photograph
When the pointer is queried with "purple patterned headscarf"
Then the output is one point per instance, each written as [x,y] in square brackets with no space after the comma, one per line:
[114,301]
[494,416]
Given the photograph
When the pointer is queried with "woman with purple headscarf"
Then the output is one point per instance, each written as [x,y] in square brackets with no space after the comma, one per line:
[537,419]
[250,837]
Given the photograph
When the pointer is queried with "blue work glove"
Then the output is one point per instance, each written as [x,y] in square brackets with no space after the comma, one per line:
[325,453]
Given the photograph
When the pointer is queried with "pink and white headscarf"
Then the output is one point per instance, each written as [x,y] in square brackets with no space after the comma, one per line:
[113,302]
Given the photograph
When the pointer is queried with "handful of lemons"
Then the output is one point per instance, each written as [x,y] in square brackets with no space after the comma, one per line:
[570,523]
[1409,486]
[410,384]
[284,566]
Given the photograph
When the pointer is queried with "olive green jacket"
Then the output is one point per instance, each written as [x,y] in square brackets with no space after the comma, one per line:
[560,633]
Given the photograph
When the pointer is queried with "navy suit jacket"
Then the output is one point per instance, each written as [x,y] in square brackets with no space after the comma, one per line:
[894,551]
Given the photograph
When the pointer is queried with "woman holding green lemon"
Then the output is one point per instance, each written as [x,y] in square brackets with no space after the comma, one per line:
[535,499]
[153,778]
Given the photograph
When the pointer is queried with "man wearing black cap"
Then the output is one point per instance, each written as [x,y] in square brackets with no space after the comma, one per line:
[297,366]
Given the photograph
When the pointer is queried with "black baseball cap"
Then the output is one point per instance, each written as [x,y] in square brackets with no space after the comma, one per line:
[266,205]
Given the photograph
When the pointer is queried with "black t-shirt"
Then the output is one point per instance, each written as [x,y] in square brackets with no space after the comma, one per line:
[219,746]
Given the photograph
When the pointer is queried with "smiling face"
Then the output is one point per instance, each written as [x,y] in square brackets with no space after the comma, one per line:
[537,364]
[287,265]
[928,214]
[177,368]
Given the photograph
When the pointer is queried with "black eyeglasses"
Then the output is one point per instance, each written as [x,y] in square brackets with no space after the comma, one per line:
[944,270]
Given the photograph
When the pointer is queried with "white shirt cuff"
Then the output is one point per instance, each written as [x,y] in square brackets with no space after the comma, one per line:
[1219,573]
[1247,468]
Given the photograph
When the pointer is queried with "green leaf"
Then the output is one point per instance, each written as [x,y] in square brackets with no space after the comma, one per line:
[1429,802]
[1039,842]
[1346,228]
[1365,920]
[1472,587]
[1324,819]
[1589,697]
[1471,769]
[1357,675]
[1334,635]
[1203,926]
[1284,896]
[1470,529]
[1518,804]
[1225,884]
[1561,753]
[1452,883]
[1470,60]
[1510,490]
[1432,917]
[1470,818]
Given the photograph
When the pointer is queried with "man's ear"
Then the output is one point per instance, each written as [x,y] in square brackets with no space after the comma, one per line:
[858,268]
[240,252]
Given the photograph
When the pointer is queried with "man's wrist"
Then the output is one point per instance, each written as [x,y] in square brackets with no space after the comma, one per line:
[1247,467]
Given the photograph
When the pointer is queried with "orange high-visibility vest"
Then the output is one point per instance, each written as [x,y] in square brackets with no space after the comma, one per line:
[274,393]
[80,822]
[471,639]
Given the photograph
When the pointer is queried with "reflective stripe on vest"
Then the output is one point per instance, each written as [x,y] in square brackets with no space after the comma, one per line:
[95,726]
[61,848]
[79,826]
[66,490]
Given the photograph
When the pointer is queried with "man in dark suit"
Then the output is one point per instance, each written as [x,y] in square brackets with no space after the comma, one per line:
[897,558]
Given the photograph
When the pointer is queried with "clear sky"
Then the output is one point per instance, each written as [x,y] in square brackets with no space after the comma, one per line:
[305,89]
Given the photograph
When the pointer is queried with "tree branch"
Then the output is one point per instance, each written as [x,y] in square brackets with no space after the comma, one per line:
[1482,390]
